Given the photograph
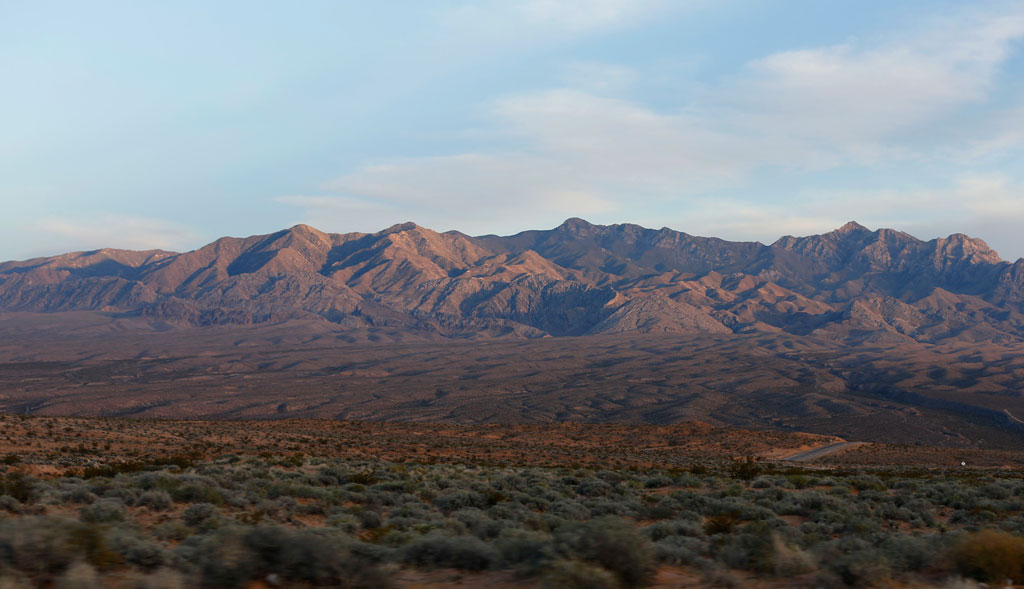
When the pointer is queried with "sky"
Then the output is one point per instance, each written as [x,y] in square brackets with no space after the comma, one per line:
[165,124]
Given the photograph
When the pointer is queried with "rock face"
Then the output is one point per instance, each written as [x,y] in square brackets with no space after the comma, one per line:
[575,279]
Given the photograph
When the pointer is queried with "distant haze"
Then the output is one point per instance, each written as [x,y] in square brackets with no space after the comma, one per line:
[167,125]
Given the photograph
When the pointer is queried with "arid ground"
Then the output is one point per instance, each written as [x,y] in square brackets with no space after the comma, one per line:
[960,396]
[161,504]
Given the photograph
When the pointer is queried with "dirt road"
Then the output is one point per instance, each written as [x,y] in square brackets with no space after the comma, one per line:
[809,455]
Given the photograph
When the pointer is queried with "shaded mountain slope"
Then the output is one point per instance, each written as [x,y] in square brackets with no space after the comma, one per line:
[850,284]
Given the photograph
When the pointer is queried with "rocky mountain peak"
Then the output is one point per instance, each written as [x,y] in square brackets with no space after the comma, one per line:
[851,228]
[576,278]
[576,226]
[400,228]
[966,248]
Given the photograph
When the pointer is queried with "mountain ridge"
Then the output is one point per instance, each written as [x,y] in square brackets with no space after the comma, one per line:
[579,278]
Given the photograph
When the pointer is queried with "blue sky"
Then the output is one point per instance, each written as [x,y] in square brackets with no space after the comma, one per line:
[169,124]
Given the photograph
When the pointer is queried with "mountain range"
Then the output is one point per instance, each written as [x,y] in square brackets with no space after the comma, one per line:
[869,335]
[850,284]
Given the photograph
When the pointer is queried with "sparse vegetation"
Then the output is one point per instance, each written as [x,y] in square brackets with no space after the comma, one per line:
[303,520]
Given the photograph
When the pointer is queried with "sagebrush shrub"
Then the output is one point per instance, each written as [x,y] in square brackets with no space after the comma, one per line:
[460,552]
[614,544]
[222,559]
[37,544]
[102,511]
[157,500]
[197,514]
[526,551]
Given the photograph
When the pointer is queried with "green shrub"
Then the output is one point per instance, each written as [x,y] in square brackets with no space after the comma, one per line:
[90,540]
[308,557]
[173,531]
[612,543]
[10,504]
[136,549]
[77,493]
[223,560]
[789,561]
[593,488]
[157,500]
[681,550]
[745,469]
[460,552]
[102,511]
[527,551]
[460,499]
[198,514]
[180,461]
[669,528]
[657,482]
[18,486]
[800,481]
[197,493]
[370,519]
[37,544]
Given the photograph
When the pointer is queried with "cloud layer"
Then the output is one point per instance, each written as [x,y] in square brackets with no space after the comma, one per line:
[113,231]
[168,125]
[919,96]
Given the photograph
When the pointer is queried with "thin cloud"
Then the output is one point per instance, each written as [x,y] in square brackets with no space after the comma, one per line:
[113,231]
[500,23]
[583,152]
[584,15]
[860,100]
[469,192]
[976,204]
[329,202]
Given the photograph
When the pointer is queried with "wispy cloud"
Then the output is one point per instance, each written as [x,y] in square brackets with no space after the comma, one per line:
[583,15]
[587,149]
[559,16]
[977,204]
[113,231]
[469,192]
[860,101]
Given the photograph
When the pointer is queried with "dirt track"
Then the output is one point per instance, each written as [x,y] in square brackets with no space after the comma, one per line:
[816,453]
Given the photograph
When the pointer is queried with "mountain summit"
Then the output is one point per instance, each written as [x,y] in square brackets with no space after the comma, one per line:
[576,279]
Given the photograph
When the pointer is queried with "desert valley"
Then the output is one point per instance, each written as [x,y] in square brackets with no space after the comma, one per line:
[329,391]
[872,335]
[512,294]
